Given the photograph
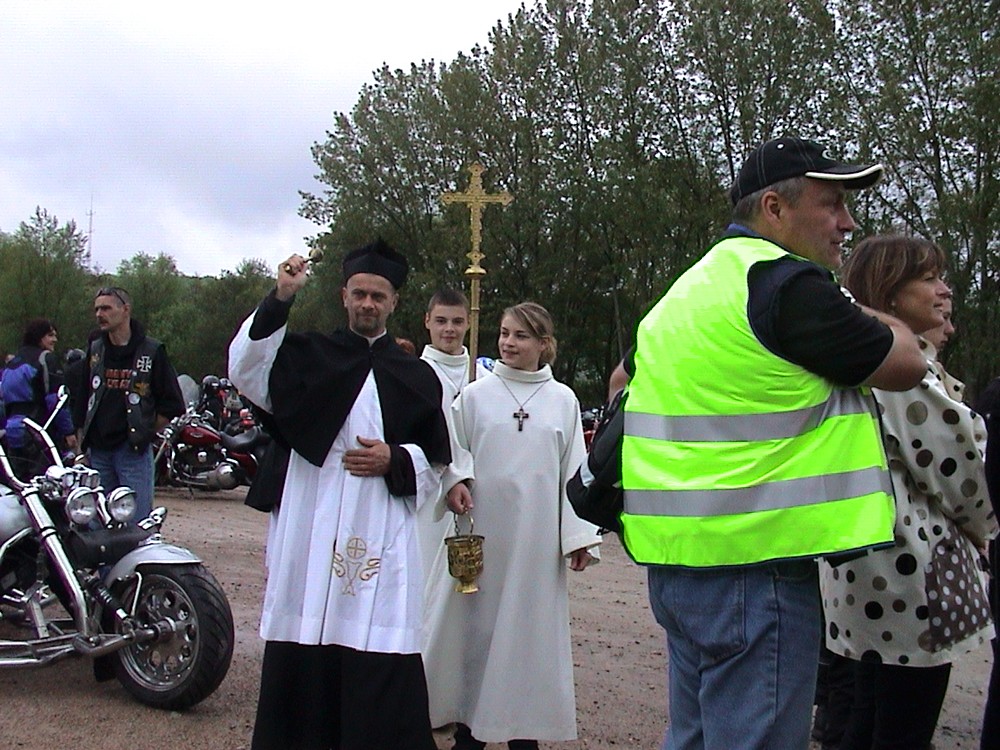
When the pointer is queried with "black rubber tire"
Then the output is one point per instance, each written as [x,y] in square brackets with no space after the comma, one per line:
[184,669]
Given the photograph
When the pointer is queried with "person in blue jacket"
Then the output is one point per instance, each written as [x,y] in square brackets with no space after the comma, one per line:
[29,387]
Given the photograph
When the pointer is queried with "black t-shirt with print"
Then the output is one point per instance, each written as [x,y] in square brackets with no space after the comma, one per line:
[109,428]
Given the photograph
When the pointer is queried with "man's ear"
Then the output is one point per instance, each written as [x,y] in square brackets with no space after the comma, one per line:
[771,206]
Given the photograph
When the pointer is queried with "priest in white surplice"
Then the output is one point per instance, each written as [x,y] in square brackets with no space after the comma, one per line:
[343,605]
[446,321]
[498,661]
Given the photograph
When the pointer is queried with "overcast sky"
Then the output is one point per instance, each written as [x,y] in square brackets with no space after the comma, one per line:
[185,127]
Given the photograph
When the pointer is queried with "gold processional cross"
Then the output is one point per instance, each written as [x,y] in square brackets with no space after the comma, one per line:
[477,199]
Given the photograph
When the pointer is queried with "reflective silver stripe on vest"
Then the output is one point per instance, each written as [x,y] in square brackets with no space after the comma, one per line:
[789,493]
[725,428]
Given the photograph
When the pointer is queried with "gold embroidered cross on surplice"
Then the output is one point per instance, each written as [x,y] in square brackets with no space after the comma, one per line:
[355,566]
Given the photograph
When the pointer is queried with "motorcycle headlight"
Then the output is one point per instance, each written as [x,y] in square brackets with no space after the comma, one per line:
[121,504]
[81,506]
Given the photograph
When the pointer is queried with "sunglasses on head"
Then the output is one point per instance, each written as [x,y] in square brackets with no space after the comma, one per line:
[112,291]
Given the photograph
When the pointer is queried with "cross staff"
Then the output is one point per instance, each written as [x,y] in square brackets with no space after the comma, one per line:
[477,199]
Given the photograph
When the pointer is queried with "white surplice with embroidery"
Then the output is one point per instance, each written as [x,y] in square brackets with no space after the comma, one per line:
[343,558]
[499,660]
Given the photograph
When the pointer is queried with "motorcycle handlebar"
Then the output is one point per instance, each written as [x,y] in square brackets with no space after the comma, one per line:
[41,431]
[50,446]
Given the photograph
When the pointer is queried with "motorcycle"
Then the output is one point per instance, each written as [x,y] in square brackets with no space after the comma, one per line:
[590,418]
[220,403]
[191,452]
[82,578]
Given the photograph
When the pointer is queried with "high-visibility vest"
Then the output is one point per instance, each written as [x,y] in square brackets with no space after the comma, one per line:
[733,455]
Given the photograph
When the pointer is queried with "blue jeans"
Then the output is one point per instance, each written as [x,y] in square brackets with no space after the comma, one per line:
[744,649]
[123,466]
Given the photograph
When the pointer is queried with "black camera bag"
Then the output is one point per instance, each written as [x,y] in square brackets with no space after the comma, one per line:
[595,490]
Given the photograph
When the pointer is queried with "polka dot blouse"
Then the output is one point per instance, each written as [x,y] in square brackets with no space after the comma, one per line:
[922,601]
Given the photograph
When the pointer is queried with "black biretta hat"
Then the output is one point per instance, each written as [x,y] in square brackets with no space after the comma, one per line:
[377,258]
[784,158]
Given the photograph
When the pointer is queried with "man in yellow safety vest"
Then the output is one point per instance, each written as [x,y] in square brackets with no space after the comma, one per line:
[752,447]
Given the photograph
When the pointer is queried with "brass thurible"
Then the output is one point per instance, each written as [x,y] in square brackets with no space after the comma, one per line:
[465,558]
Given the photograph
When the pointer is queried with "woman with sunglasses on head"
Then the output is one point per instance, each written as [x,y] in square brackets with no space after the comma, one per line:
[29,387]
[905,612]
[498,661]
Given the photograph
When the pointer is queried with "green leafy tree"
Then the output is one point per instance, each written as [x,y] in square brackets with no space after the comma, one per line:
[619,126]
[926,98]
[43,274]
[224,303]
[155,284]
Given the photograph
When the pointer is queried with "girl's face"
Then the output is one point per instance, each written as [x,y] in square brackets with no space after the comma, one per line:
[518,347]
[920,302]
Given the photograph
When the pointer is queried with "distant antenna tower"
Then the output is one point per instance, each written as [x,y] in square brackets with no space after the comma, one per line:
[90,233]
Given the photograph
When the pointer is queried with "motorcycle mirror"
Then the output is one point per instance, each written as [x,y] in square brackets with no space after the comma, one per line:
[63,394]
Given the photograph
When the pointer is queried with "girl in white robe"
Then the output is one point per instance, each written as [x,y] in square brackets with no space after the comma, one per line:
[498,661]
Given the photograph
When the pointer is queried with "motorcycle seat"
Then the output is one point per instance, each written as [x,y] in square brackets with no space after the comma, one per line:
[245,441]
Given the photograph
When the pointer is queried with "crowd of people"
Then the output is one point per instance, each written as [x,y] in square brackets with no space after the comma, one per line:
[122,390]
[382,444]
[803,483]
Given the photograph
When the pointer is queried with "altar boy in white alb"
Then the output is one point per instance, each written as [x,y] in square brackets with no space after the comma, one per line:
[446,321]
[343,606]
[498,661]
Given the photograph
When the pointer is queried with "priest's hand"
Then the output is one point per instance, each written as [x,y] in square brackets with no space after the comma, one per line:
[370,460]
[580,559]
[459,499]
[292,277]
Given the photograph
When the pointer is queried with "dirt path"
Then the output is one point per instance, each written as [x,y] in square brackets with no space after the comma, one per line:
[618,652]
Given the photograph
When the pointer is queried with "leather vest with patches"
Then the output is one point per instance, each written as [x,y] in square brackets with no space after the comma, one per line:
[140,407]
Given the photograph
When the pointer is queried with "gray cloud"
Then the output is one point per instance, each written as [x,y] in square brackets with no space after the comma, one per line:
[188,129]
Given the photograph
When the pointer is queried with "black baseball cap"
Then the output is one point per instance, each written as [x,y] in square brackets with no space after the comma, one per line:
[784,158]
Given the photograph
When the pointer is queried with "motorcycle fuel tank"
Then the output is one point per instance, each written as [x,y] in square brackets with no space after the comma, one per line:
[198,435]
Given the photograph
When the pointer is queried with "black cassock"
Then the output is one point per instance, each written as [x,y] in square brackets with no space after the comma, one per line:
[322,697]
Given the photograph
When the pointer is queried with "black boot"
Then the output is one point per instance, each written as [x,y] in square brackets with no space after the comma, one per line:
[522,745]
[464,739]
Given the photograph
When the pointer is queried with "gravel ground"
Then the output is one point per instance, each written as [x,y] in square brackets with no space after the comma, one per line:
[619,653]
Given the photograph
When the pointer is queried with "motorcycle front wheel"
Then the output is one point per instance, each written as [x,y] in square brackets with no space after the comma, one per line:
[182,669]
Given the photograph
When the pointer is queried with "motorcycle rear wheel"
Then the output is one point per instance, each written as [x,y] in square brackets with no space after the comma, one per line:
[177,672]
